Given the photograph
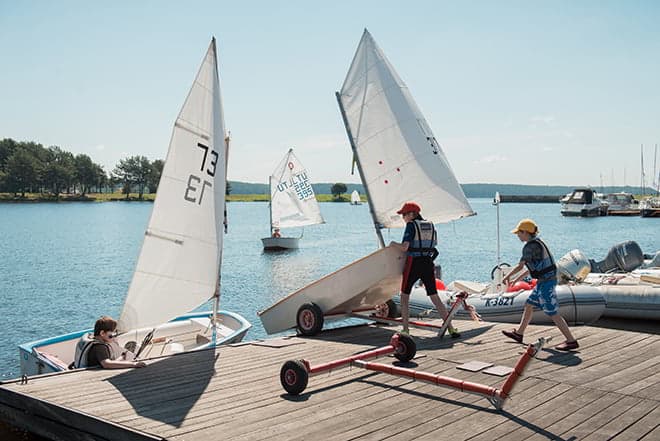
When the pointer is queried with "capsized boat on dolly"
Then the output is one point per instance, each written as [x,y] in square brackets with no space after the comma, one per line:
[399,159]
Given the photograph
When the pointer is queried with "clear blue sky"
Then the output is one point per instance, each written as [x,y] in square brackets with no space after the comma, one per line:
[556,92]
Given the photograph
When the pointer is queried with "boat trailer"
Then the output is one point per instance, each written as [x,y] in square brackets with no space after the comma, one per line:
[460,300]
[295,374]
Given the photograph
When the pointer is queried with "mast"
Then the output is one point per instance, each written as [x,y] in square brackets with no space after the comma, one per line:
[356,159]
[270,203]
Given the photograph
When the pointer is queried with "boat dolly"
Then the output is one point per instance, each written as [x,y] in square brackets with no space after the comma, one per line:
[295,374]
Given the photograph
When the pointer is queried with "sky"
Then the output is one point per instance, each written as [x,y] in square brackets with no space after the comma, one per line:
[519,92]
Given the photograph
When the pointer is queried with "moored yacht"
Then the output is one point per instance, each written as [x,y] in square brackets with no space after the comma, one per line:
[622,204]
[584,202]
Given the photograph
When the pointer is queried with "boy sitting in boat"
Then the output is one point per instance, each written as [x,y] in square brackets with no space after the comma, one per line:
[539,263]
[100,350]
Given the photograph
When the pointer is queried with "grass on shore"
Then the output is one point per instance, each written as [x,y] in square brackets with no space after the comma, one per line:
[106,197]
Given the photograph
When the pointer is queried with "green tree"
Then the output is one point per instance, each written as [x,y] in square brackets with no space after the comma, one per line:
[84,172]
[100,178]
[337,190]
[59,170]
[22,171]
[154,175]
[133,172]
[7,148]
[228,188]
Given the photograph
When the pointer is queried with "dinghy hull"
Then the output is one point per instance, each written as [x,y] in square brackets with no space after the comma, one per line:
[358,287]
[188,332]
[577,304]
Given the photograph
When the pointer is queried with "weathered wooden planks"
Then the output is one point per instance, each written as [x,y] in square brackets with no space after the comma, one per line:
[607,389]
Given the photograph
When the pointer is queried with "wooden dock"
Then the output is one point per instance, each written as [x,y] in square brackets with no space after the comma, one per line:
[609,389]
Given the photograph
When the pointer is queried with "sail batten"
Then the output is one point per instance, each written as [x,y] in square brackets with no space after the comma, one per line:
[293,202]
[179,264]
[400,157]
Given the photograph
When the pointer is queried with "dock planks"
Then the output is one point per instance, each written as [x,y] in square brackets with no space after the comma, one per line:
[609,389]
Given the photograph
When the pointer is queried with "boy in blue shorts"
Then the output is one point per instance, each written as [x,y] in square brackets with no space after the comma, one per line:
[540,265]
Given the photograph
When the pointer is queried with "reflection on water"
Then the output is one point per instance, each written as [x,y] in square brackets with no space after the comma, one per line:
[64,265]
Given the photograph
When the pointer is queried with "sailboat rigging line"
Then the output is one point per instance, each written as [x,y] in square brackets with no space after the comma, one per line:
[159,236]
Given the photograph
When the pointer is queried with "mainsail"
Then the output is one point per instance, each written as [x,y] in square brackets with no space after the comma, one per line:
[292,200]
[355,197]
[178,267]
[399,157]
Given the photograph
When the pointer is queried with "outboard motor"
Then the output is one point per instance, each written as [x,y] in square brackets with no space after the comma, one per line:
[623,257]
[573,266]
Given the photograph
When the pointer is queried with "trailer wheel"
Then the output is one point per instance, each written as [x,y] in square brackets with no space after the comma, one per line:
[388,309]
[309,319]
[294,377]
[406,348]
[501,266]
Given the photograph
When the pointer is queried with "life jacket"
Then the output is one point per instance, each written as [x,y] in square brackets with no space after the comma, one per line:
[82,350]
[544,269]
[424,241]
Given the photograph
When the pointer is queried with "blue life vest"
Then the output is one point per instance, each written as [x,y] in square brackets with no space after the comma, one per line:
[424,241]
[544,269]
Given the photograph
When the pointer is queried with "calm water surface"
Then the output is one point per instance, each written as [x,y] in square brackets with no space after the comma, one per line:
[64,265]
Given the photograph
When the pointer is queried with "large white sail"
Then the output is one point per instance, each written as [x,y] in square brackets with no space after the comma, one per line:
[292,199]
[179,263]
[400,158]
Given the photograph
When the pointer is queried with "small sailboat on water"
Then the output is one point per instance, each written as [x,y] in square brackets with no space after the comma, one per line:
[179,264]
[355,198]
[292,203]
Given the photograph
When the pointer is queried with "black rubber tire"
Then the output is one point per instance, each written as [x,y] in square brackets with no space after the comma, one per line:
[406,349]
[309,319]
[294,377]
[496,267]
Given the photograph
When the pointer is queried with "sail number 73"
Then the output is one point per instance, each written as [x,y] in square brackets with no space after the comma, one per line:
[197,184]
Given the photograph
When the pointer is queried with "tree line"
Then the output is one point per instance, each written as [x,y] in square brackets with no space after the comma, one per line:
[29,167]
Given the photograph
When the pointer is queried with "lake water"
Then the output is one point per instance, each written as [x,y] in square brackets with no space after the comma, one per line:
[64,265]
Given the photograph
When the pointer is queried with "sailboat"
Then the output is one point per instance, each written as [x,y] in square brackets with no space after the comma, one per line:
[399,159]
[355,198]
[179,264]
[292,202]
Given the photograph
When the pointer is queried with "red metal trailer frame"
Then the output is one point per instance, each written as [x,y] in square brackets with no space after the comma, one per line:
[295,374]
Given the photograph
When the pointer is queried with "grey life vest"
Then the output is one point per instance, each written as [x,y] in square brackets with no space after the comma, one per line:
[83,347]
[425,240]
[545,268]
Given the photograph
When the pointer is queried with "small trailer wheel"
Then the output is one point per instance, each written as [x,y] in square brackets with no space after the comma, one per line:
[294,377]
[406,348]
[309,319]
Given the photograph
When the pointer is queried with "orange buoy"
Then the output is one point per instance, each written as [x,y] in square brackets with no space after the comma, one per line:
[440,285]
[520,285]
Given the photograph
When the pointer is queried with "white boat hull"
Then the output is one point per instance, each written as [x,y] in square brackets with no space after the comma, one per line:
[280,243]
[186,333]
[577,304]
[357,287]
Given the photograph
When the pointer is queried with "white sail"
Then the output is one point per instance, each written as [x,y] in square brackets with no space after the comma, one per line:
[400,157]
[292,200]
[355,197]
[179,263]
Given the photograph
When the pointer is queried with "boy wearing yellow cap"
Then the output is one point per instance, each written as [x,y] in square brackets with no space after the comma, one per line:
[539,263]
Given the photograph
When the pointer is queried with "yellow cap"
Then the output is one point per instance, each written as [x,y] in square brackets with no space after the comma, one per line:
[527,225]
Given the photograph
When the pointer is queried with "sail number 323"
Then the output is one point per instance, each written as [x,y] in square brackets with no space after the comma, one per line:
[196,185]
